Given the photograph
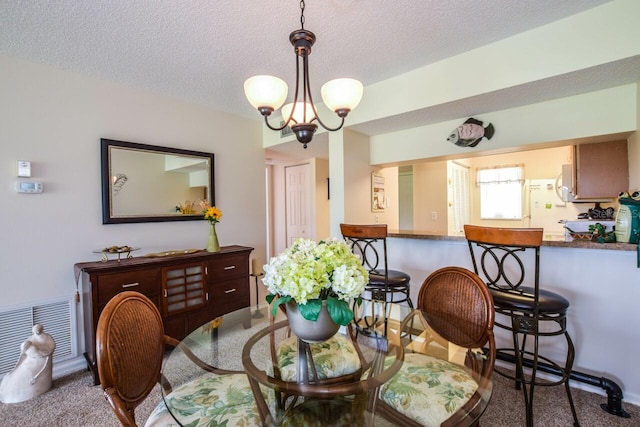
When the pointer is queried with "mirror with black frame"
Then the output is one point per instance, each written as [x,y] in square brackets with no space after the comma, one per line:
[149,183]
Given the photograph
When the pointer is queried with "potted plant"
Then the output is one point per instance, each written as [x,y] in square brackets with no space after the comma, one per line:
[312,277]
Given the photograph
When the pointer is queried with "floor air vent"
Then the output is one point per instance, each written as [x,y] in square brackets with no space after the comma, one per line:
[15,327]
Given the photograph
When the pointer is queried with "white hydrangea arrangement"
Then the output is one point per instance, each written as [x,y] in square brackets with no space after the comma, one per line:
[308,273]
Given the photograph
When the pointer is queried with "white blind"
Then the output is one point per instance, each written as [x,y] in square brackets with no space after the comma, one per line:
[500,175]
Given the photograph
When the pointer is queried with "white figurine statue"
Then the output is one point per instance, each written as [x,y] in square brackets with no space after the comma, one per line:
[32,375]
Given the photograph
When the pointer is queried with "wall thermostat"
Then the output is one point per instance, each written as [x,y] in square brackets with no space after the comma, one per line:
[28,187]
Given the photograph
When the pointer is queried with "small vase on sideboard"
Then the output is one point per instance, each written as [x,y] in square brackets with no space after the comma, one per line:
[212,244]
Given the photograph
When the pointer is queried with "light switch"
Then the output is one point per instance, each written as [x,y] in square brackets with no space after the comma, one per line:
[24,169]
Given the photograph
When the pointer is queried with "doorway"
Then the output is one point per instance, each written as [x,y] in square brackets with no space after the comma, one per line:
[298,202]
[458,197]
[405,197]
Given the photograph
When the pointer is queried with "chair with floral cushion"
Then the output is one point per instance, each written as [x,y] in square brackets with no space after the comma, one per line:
[130,344]
[442,386]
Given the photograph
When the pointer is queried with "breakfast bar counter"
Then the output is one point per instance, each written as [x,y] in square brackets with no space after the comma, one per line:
[601,280]
[582,244]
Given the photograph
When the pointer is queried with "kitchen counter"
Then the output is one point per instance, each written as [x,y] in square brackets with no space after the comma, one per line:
[582,244]
[599,279]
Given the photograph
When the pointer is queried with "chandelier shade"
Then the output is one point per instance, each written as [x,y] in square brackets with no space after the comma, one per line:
[268,93]
[341,94]
[303,112]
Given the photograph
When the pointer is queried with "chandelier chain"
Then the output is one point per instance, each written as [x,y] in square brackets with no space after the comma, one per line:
[268,93]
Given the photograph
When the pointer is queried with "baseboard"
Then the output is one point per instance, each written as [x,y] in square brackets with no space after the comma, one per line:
[627,398]
[69,366]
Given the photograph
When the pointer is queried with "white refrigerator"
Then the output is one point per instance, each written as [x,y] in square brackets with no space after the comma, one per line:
[544,207]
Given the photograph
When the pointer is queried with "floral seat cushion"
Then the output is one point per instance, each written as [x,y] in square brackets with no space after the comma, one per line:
[333,358]
[427,389]
[211,400]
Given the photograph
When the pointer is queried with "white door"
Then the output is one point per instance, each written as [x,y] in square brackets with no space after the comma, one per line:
[458,196]
[298,202]
[405,197]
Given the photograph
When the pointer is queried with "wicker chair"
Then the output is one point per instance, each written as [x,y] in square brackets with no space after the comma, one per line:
[508,259]
[130,344]
[385,285]
[455,304]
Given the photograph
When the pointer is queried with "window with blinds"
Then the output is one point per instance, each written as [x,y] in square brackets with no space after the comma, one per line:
[501,192]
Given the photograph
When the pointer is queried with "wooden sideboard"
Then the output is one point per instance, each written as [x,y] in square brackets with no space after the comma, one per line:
[188,289]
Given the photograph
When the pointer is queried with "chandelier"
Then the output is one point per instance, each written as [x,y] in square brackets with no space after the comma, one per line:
[268,93]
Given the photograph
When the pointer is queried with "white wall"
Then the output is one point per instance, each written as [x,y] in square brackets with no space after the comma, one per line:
[540,125]
[322,200]
[357,184]
[552,51]
[430,195]
[55,119]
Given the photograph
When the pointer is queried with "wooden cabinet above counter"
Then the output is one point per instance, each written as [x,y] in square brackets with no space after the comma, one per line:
[188,289]
[600,170]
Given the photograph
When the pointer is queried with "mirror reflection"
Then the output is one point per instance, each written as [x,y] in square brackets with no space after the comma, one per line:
[148,183]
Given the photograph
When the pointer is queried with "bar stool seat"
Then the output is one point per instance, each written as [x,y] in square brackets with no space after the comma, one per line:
[395,279]
[548,302]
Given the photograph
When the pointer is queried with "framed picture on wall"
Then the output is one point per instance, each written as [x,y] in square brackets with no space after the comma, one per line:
[378,200]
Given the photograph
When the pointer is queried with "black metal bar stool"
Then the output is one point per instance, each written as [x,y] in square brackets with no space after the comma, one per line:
[385,285]
[503,257]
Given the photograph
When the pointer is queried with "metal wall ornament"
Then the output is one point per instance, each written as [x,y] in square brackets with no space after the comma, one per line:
[268,93]
[470,133]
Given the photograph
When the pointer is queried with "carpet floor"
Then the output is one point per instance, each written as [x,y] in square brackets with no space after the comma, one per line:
[74,401]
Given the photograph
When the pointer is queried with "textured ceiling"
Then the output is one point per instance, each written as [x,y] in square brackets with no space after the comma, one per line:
[203,50]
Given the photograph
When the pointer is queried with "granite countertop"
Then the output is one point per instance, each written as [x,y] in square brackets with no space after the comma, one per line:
[582,244]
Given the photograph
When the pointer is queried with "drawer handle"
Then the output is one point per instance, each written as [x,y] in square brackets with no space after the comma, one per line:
[131,285]
[228,291]
[231,267]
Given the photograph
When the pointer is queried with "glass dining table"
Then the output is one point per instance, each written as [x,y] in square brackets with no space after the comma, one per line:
[248,343]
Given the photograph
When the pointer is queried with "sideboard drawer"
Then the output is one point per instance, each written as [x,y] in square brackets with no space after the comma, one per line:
[228,267]
[229,296]
[143,281]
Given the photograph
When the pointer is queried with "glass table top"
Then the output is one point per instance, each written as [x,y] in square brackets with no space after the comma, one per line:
[244,344]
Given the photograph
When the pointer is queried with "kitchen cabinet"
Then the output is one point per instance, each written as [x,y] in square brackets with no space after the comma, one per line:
[188,289]
[600,170]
